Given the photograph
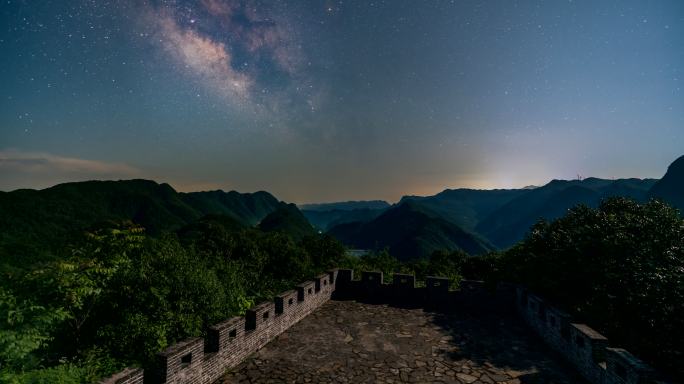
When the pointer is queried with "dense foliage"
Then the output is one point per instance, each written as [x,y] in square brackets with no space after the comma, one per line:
[118,296]
[619,267]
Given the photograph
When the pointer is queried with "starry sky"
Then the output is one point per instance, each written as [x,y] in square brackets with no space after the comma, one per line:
[335,100]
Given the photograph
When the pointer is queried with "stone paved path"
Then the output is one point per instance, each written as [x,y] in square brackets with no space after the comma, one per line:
[350,342]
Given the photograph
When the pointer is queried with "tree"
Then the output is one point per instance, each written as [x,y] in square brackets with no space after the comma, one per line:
[619,267]
[77,282]
[24,328]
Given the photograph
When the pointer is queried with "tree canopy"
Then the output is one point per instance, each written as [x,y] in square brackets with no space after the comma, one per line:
[619,267]
[117,296]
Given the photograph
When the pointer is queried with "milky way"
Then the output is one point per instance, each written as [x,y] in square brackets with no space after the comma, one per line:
[328,100]
[240,50]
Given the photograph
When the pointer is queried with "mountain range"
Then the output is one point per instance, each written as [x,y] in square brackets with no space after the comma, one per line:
[495,218]
[31,220]
[475,221]
[500,217]
[345,205]
[410,230]
[507,224]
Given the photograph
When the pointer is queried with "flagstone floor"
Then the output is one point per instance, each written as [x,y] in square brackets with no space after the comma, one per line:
[350,342]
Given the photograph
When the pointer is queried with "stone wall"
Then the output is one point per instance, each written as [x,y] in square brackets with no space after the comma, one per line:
[581,345]
[197,360]
[402,292]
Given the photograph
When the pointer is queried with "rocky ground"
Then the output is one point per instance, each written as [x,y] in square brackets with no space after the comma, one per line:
[350,342]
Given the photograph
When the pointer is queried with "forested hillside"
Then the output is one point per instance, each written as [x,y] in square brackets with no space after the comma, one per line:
[286,218]
[327,215]
[33,221]
[99,275]
[115,296]
[410,231]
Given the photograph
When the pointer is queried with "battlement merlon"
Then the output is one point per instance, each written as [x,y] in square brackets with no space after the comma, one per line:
[258,314]
[220,335]
[344,277]
[332,273]
[589,342]
[321,281]
[184,355]
[284,300]
[305,289]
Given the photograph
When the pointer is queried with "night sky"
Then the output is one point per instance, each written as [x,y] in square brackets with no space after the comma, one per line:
[337,100]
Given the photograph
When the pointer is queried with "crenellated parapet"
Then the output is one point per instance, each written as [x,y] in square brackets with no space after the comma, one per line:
[401,290]
[582,346]
[204,360]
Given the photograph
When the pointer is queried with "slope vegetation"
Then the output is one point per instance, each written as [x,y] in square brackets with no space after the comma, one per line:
[33,220]
[410,231]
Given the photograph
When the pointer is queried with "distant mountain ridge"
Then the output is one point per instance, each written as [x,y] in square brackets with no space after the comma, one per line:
[41,215]
[466,207]
[504,216]
[475,221]
[345,205]
[327,215]
[324,220]
[508,224]
[409,231]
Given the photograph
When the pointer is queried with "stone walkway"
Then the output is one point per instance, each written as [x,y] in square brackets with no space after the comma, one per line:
[350,342]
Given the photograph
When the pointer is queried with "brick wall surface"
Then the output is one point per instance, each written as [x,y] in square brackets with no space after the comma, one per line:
[582,346]
[197,360]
